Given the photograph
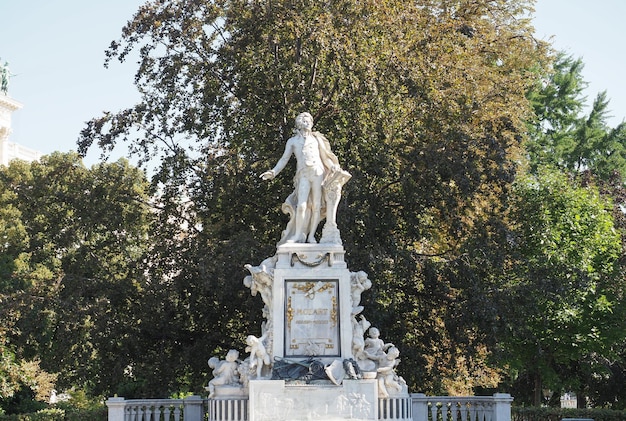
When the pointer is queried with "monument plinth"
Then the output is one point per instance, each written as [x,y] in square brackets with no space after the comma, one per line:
[312,283]
[312,360]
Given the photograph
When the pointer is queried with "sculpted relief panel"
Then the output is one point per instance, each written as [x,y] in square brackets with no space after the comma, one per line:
[312,318]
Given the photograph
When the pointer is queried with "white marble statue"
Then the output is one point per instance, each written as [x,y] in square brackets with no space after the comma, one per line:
[317,183]
[358,341]
[388,381]
[374,346]
[260,280]
[359,282]
[225,372]
[245,372]
[259,357]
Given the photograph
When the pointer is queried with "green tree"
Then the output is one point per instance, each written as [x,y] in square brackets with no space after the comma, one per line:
[75,276]
[607,390]
[564,137]
[423,102]
[564,305]
[18,375]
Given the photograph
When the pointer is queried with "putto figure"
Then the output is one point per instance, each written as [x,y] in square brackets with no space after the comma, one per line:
[317,183]
[224,372]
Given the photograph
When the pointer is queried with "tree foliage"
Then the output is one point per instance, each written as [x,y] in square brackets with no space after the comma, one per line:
[564,307]
[562,136]
[423,102]
[485,279]
[584,146]
[73,270]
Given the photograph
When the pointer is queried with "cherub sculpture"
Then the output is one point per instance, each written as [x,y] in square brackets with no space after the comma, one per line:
[258,354]
[388,380]
[224,372]
[374,346]
[359,282]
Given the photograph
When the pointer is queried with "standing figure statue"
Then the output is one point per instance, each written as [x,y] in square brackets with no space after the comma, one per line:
[5,75]
[317,183]
[259,357]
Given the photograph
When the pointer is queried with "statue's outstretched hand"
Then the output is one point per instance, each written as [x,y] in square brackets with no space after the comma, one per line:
[268,175]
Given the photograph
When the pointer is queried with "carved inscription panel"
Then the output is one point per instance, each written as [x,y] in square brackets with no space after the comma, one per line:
[312,318]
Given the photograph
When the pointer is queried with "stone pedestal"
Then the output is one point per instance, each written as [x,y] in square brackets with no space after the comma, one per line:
[312,301]
[311,292]
[273,400]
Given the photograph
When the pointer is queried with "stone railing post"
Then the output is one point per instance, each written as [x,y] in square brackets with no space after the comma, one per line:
[116,408]
[193,408]
[420,407]
[502,407]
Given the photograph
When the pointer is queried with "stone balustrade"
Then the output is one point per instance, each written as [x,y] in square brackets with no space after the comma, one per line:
[188,409]
[395,408]
[420,408]
[459,408]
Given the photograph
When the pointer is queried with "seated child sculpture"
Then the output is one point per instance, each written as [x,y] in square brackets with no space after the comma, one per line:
[374,346]
[224,372]
[388,380]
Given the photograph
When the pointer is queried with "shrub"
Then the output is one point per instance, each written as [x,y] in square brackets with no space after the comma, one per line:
[58,414]
[557,414]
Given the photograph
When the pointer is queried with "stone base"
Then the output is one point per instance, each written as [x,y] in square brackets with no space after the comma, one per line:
[308,256]
[276,400]
[232,392]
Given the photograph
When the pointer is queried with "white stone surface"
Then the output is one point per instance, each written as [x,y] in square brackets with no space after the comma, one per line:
[10,150]
[274,400]
[225,372]
[313,309]
[328,295]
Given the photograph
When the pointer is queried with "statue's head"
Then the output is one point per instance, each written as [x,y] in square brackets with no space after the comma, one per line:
[374,332]
[304,121]
[232,355]
[393,352]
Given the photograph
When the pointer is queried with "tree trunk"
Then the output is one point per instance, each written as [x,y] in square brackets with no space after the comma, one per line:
[537,392]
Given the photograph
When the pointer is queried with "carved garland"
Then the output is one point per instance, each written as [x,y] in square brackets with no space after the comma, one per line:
[295,257]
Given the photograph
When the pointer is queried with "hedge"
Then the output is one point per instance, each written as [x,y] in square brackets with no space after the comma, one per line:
[57,414]
[557,414]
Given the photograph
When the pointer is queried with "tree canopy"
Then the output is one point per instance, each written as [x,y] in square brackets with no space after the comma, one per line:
[485,275]
[563,138]
[424,103]
[72,271]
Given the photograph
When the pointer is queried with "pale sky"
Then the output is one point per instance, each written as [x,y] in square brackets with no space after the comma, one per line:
[594,31]
[55,49]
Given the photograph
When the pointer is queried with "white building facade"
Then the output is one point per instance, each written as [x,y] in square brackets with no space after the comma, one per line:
[10,150]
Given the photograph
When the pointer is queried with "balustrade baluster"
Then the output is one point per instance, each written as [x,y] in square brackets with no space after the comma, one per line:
[463,410]
[454,411]
[489,412]
[480,412]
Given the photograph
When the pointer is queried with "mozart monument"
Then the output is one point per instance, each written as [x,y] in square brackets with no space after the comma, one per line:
[315,356]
